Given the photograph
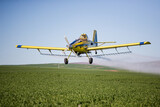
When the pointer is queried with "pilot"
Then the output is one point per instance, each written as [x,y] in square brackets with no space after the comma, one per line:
[83,37]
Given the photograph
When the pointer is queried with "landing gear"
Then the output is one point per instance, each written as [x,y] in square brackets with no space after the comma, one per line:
[90,60]
[65,60]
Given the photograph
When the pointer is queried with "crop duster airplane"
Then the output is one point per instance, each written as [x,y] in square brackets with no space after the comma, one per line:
[83,46]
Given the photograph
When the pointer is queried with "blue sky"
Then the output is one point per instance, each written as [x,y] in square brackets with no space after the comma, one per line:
[45,22]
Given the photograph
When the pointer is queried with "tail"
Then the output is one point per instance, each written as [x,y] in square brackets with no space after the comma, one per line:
[95,37]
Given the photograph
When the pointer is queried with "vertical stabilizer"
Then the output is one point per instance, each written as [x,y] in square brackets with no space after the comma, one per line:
[95,37]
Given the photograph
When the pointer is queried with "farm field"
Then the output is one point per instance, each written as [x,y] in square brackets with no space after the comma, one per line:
[76,85]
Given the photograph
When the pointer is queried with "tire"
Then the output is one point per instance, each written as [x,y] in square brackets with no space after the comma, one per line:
[90,60]
[65,60]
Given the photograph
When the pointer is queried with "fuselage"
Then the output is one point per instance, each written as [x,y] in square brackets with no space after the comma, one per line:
[80,46]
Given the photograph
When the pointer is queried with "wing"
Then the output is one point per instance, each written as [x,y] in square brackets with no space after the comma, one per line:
[118,46]
[40,47]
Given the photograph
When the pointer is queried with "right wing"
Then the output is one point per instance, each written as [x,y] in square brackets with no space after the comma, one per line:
[40,47]
[117,46]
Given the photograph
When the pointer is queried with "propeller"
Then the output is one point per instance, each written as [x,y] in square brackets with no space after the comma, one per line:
[66,40]
[68,46]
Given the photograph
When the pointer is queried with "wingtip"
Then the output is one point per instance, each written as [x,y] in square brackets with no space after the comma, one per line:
[147,42]
[18,46]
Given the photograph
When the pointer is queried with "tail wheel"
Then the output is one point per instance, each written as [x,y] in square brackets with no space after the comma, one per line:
[90,60]
[65,60]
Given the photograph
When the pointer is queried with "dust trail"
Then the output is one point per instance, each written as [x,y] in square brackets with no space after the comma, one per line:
[132,62]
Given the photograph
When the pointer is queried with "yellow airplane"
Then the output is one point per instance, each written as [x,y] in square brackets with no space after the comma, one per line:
[83,46]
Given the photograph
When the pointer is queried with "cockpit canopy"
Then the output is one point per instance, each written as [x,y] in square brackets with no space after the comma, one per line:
[83,37]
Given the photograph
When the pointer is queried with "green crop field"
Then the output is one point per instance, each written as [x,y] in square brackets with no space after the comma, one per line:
[76,85]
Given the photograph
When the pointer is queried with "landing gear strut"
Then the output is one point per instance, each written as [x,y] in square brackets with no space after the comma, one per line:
[90,59]
[66,59]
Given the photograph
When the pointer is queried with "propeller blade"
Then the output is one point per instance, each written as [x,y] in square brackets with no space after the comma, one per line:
[66,40]
[68,45]
[74,52]
[64,51]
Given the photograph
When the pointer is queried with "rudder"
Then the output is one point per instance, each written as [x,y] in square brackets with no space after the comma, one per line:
[95,37]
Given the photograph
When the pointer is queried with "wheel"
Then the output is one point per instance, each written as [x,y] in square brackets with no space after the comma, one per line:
[65,60]
[90,60]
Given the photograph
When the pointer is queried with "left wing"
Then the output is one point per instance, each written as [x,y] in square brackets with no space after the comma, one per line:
[40,47]
[118,46]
